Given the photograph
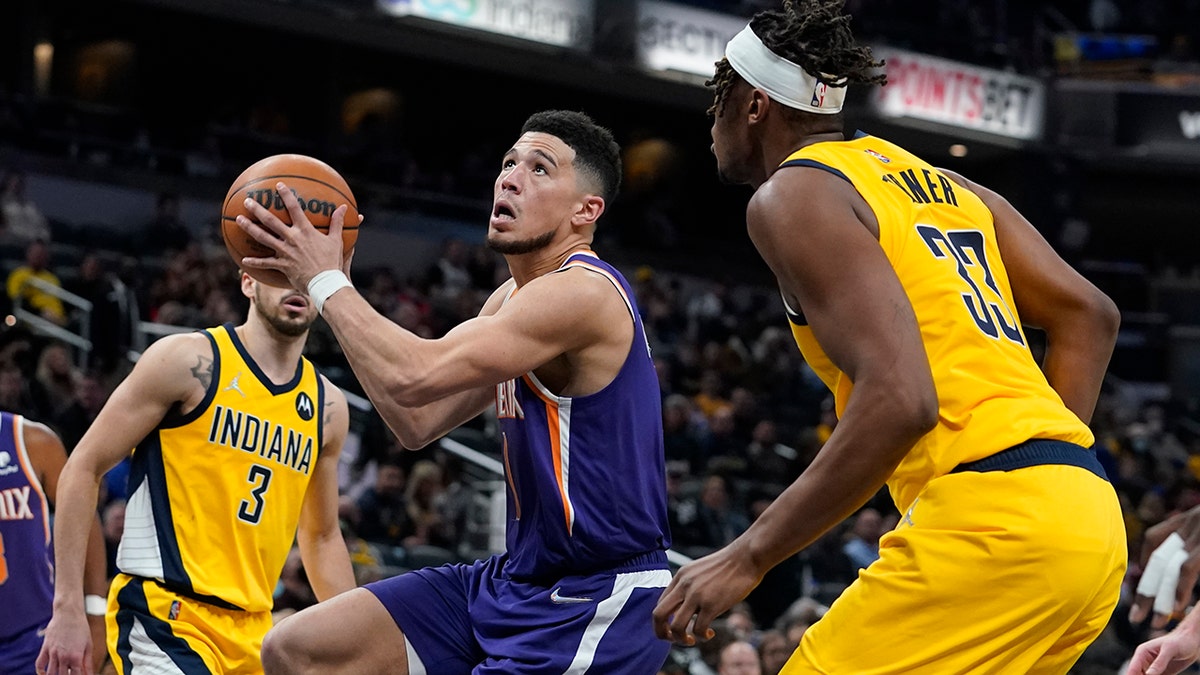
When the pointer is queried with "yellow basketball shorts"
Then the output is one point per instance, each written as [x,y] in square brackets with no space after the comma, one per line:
[153,630]
[998,572]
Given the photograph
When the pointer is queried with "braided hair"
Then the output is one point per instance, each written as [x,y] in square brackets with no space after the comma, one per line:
[813,34]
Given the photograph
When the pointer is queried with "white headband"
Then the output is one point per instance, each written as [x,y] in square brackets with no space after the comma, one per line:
[783,80]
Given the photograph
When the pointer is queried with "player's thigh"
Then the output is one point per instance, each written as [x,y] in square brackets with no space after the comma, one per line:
[349,633]
[989,576]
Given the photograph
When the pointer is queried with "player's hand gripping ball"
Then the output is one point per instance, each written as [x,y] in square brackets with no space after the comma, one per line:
[319,188]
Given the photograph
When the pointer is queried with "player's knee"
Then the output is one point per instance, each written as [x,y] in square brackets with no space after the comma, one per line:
[283,652]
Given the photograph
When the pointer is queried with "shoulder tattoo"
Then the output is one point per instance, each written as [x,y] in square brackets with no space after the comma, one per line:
[203,371]
[328,413]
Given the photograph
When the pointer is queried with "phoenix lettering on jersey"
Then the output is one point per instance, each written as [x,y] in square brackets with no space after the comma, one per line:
[271,441]
[14,504]
[507,404]
[928,188]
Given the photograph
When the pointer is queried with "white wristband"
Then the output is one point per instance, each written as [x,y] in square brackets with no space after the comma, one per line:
[94,605]
[325,284]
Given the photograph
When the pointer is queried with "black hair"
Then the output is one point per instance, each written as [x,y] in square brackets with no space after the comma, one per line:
[596,153]
[813,34]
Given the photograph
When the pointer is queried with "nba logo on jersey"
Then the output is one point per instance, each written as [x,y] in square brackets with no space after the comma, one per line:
[173,613]
[304,406]
[878,156]
[818,99]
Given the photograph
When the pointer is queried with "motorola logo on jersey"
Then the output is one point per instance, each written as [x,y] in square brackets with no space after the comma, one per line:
[304,406]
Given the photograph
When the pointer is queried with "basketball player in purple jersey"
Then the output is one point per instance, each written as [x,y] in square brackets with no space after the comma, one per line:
[31,457]
[560,351]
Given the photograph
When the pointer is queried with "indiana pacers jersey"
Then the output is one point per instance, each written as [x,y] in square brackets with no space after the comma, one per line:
[26,558]
[941,240]
[586,475]
[215,494]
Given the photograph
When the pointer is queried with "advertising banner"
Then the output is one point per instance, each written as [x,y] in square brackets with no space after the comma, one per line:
[563,23]
[960,95]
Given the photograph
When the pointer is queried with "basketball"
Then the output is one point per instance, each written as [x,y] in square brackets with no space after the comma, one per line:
[318,187]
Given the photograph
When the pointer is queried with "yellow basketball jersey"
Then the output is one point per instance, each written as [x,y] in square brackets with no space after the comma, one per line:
[215,494]
[941,240]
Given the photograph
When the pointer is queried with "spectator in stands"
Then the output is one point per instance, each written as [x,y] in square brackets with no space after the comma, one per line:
[450,273]
[382,514]
[90,394]
[22,220]
[36,267]
[718,519]
[682,429]
[456,503]
[109,320]
[862,542]
[54,381]
[774,650]
[799,617]
[768,460]
[14,391]
[422,496]
[739,658]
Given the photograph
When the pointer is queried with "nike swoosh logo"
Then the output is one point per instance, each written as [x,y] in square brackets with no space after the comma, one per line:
[566,599]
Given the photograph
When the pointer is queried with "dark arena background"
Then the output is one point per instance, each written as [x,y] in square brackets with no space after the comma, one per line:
[122,124]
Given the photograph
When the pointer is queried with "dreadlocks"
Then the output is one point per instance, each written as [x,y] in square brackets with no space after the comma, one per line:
[813,34]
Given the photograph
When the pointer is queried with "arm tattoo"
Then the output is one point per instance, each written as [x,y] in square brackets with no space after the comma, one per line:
[203,371]
[328,413]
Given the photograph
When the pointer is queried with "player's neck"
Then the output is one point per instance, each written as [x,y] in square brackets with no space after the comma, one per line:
[529,266]
[778,148]
[275,354]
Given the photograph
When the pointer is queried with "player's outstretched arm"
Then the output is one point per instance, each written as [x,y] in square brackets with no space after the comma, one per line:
[174,369]
[809,227]
[1080,321]
[1170,653]
[320,537]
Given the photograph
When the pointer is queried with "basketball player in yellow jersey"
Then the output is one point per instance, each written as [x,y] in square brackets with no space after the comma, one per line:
[236,441]
[906,287]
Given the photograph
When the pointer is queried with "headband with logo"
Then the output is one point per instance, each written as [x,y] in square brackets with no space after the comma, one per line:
[783,80]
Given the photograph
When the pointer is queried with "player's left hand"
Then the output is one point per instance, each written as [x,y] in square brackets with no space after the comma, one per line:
[301,250]
[703,590]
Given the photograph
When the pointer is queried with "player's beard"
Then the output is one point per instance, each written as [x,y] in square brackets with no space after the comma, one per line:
[521,247]
[284,325]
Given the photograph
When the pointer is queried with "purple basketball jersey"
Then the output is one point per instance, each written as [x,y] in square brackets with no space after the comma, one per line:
[586,476]
[26,558]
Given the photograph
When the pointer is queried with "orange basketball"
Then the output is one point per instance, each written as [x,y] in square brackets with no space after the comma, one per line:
[319,189]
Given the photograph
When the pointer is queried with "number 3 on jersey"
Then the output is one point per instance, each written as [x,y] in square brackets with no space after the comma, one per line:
[260,478]
[992,315]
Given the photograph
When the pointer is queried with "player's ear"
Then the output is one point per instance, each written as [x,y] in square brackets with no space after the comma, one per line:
[590,210]
[247,284]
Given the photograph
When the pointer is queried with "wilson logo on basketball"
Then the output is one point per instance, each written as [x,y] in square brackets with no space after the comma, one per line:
[271,199]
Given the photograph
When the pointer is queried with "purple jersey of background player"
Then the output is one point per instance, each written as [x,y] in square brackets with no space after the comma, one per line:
[586,475]
[26,557]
